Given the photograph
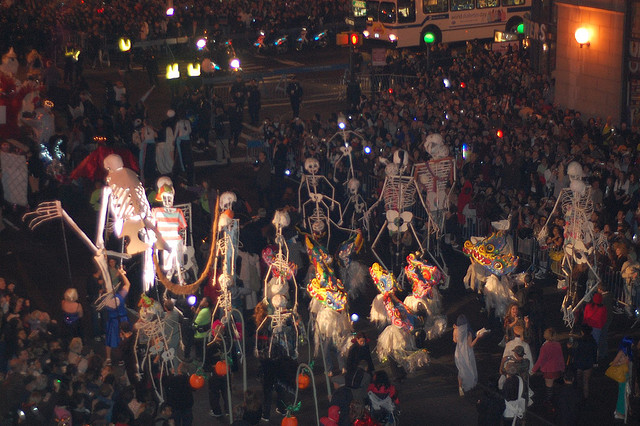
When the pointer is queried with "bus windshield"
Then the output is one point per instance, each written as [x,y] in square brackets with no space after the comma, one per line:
[387,12]
[406,11]
[435,6]
[372,10]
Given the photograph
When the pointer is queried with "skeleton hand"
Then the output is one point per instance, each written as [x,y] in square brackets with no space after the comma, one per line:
[43,213]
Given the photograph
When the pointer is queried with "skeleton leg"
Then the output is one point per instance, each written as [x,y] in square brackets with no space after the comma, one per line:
[373,245]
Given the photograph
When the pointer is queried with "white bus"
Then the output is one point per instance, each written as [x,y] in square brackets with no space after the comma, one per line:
[408,23]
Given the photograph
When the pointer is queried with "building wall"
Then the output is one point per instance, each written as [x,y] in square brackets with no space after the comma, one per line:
[589,79]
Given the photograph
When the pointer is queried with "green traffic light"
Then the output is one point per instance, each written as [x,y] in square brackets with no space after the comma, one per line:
[429,37]
[520,28]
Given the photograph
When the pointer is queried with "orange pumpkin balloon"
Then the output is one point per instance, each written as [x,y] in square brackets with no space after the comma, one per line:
[303,381]
[289,421]
[221,368]
[196,381]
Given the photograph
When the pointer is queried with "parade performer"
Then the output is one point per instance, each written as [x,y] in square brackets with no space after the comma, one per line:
[397,340]
[425,299]
[494,255]
[329,315]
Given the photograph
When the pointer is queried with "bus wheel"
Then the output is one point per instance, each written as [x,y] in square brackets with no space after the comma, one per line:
[512,24]
[430,35]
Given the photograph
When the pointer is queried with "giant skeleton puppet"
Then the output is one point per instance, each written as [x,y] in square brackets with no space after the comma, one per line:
[282,317]
[125,199]
[170,221]
[399,196]
[316,213]
[579,240]
[436,179]
[224,268]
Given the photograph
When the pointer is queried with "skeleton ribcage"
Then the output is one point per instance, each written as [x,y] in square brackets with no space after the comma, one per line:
[435,178]
[127,203]
[577,209]
[399,193]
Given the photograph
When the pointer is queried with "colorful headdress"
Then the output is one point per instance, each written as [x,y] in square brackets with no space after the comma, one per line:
[325,286]
[351,246]
[491,253]
[269,256]
[422,276]
[397,311]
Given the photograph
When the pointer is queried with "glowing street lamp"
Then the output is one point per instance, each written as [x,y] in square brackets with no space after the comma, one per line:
[583,37]
[124,44]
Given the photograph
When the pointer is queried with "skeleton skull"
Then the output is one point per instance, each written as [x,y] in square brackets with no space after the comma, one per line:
[401,158]
[434,145]
[227,199]
[574,170]
[112,162]
[353,186]
[166,191]
[281,219]
[312,166]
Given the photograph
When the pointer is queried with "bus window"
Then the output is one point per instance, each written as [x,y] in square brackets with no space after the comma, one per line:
[372,10]
[435,6]
[406,11]
[387,12]
[462,5]
[482,4]
[512,2]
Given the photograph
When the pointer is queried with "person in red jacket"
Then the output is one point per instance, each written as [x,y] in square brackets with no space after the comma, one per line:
[550,362]
[595,316]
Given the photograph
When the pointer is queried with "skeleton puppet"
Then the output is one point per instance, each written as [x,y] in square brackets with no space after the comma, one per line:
[319,220]
[437,178]
[399,196]
[224,268]
[355,208]
[170,221]
[282,318]
[125,198]
[577,206]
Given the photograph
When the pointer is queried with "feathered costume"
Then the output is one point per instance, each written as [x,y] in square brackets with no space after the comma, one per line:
[397,339]
[425,295]
[495,255]
[353,273]
[329,300]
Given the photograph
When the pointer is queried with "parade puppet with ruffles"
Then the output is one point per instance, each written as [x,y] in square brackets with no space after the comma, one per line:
[328,305]
[492,260]
[397,340]
[425,299]
[353,273]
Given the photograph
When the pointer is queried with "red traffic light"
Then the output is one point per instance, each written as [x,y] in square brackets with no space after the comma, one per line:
[354,39]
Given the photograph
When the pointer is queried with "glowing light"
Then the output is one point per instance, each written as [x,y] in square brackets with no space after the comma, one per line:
[499,134]
[124,44]
[520,28]
[465,151]
[365,33]
[355,317]
[193,70]
[172,71]
[390,91]
[393,37]
[429,37]
[367,150]
[235,63]
[191,300]
[446,83]
[200,44]
[582,36]
[287,172]
[463,85]
[170,11]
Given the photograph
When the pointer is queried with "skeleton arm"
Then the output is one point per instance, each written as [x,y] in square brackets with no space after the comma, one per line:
[333,193]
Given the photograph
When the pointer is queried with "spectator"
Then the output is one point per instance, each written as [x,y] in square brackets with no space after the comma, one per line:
[72,312]
[464,356]
[585,356]
[550,362]
[623,357]
[595,316]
